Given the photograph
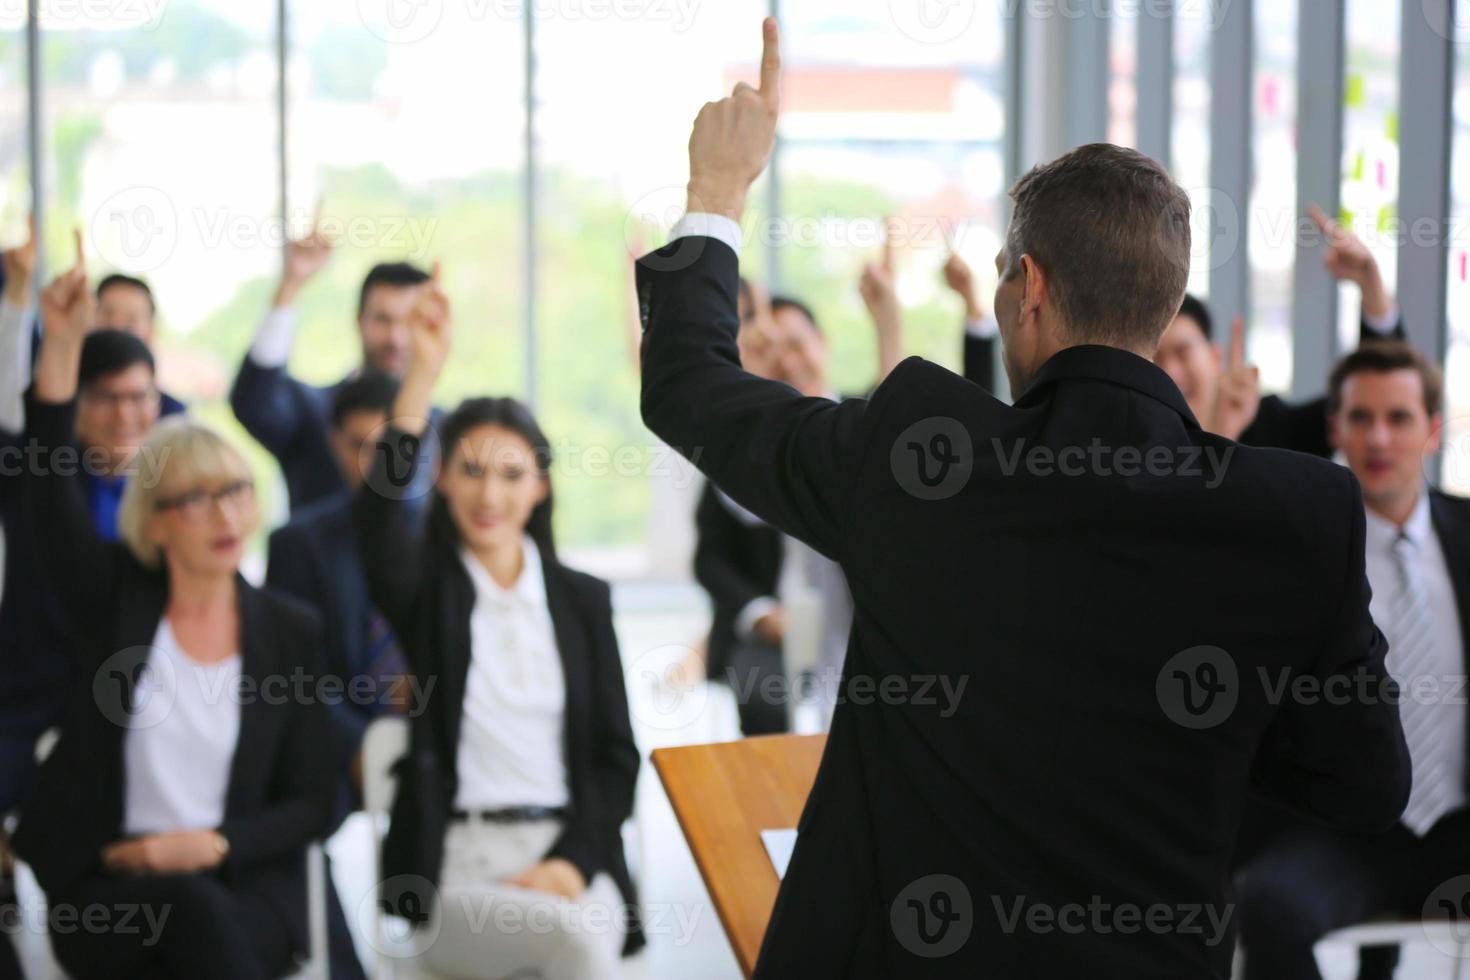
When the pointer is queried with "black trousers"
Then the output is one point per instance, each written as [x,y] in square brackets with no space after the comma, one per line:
[1305,881]
[167,926]
[757,675]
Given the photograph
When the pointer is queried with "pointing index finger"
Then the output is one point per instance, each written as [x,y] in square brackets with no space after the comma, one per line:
[770,62]
[1237,343]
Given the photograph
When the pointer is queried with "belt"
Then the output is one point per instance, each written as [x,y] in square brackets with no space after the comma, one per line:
[509,814]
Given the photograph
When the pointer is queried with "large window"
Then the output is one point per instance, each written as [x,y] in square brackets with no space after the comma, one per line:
[159,144]
[15,197]
[882,123]
[1370,151]
[1189,142]
[1270,217]
[1456,474]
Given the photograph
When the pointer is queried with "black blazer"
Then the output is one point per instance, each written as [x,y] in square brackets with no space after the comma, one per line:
[1301,426]
[292,420]
[735,562]
[1071,606]
[280,783]
[416,578]
[314,557]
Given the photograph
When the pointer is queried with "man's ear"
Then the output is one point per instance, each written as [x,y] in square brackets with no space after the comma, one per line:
[1033,287]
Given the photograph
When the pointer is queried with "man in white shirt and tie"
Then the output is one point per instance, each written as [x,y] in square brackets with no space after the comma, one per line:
[1384,410]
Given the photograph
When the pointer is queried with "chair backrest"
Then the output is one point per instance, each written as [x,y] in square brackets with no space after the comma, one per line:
[383,744]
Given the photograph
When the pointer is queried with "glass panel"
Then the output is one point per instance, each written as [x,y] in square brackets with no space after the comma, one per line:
[1271,214]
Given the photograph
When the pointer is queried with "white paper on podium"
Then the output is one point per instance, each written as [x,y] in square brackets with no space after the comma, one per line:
[779,845]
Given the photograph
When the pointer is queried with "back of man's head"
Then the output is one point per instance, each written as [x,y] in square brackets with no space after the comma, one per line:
[1110,228]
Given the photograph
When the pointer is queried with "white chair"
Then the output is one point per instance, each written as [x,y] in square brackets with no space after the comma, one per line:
[383,744]
[1450,940]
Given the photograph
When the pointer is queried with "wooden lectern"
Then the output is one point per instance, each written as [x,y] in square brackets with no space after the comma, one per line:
[724,796]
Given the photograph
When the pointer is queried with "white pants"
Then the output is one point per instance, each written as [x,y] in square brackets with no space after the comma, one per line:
[488,930]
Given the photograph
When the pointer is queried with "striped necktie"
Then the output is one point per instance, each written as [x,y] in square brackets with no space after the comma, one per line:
[1411,655]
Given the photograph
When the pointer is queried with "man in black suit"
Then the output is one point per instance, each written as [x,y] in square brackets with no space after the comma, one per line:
[314,557]
[1308,880]
[1223,391]
[1054,793]
[291,418]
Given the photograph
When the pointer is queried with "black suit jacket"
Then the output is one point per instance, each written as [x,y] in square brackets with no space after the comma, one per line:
[314,557]
[736,563]
[279,789]
[416,578]
[1301,426]
[1066,773]
[978,363]
[292,420]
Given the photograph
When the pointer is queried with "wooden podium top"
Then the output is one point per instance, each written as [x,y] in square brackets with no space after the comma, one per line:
[724,796]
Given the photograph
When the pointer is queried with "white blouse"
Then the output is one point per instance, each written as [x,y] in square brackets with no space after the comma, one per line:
[180,741]
[511,734]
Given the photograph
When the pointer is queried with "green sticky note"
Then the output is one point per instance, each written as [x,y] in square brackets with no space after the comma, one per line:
[1353,92]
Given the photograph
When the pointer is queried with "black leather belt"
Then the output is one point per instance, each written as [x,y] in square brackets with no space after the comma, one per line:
[509,814]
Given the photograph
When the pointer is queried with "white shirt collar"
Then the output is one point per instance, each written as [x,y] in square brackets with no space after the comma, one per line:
[1382,532]
[529,588]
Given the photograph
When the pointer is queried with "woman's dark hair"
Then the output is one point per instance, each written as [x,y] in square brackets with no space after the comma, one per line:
[507,413]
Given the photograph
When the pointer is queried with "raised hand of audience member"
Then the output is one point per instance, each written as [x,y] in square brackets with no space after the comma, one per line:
[1238,395]
[66,318]
[1348,259]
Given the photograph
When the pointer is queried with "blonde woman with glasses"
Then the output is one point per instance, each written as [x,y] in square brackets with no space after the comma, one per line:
[172,818]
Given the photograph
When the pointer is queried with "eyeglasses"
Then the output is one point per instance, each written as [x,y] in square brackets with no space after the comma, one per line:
[113,400]
[196,503]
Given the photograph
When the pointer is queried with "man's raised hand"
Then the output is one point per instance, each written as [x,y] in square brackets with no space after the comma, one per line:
[1347,257]
[733,137]
[1238,394]
[20,266]
[430,326]
[67,303]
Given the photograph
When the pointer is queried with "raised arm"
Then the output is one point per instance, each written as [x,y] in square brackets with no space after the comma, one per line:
[881,299]
[981,330]
[15,331]
[267,401]
[77,557]
[788,458]
[1342,759]
[1348,259]
[389,534]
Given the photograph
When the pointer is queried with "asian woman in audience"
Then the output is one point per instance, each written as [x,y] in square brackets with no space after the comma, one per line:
[521,769]
[169,823]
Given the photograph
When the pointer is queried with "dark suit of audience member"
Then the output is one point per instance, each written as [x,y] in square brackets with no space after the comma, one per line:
[290,418]
[248,917]
[315,558]
[978,363]
[417,577]
[1073,768]
[738,563]
[38,632]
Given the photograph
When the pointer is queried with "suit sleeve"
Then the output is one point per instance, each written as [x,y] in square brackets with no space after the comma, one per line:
[389,537]
[590,838]
[289,569]
[789,459]
[302,783]
[79,563]
[270,405]
[729,587]
[1366,332]
[1342,759]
